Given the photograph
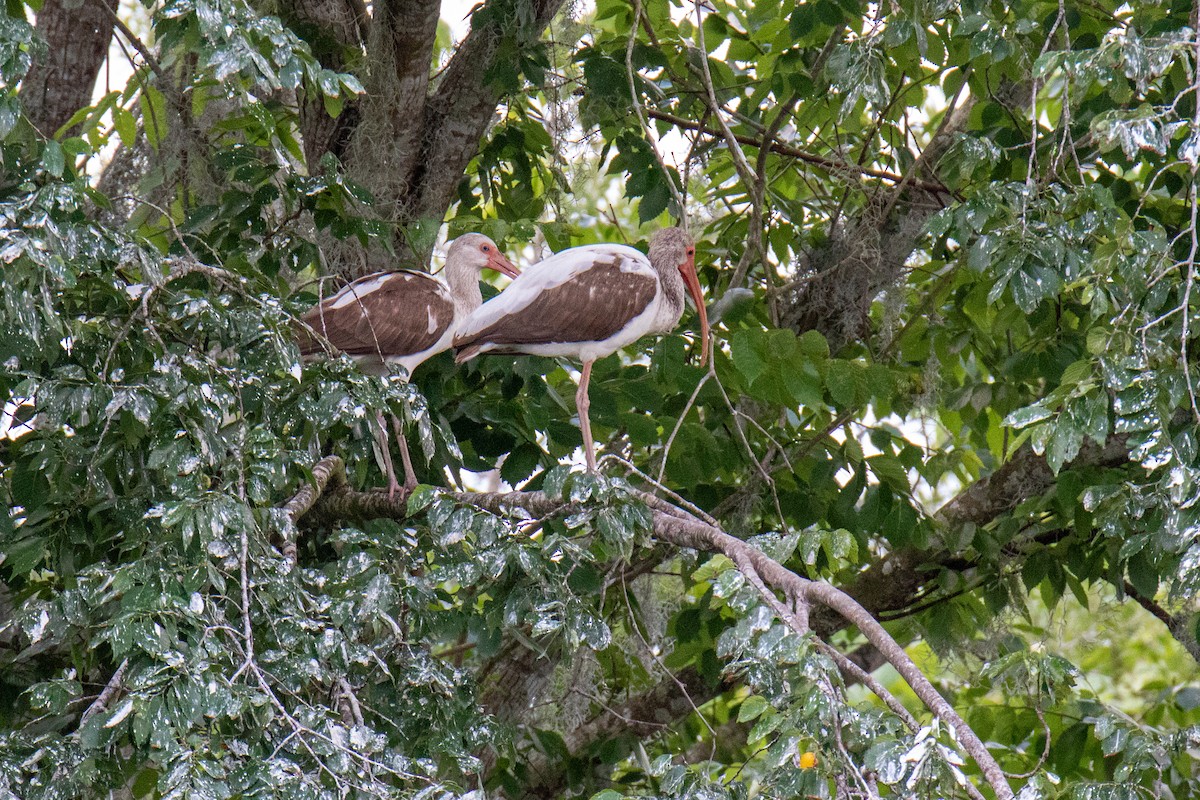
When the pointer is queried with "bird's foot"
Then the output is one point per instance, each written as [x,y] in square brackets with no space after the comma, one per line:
[394,486]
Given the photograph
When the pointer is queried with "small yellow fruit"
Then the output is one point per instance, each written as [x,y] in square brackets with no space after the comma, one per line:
[807,760]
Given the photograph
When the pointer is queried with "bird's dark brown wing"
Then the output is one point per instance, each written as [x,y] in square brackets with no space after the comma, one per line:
[590,307]
[385,314]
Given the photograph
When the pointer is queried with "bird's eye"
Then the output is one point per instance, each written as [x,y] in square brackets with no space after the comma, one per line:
[486,248]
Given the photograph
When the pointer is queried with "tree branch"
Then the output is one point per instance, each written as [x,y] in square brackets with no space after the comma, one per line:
[889,584]
[106,696]
[328,473]
[867,254]
[700,536]
[464,103]
[1177,624]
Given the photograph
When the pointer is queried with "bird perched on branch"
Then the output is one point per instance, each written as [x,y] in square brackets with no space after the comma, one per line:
[401,318]
[588,302]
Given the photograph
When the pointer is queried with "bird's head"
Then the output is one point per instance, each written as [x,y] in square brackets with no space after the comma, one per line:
[674,246]
[480,252]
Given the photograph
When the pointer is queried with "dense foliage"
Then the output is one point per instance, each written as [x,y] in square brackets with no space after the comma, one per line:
[951,252]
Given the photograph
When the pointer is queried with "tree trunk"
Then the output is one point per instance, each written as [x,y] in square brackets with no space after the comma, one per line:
[336,30]
[61,80]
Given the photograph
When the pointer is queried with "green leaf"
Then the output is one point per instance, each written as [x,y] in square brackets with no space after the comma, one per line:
[752,707]
[745,348]
[1027,416]
[420,498]
[846,382]
[53,160]
[889,470]
[1064,444]
[1188,698]
[813,345]
[556,482]
[654,201]
[1067,750]
[520,463]
[1143,575]
[607,78]
[125,125]
[154,115]
[10,113]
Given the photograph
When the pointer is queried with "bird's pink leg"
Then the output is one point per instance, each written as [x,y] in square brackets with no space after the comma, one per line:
[381,439]
[582,404]
[410,477]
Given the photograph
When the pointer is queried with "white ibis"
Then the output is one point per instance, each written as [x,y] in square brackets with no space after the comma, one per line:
[588,302]
[402,318]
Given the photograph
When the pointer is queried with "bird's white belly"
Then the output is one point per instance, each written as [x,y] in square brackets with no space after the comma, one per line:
[372,364]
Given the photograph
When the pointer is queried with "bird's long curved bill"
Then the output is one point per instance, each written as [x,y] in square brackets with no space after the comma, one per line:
[498,262]
[690,279]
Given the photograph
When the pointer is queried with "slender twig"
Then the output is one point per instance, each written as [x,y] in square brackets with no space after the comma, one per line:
[832,165]
[244,546]
[694,509]
[1041,715]
[662,468]
[651,139]
[670,673]
[910,174]
[754,240]
[740,163]
[867,679]
[133,39]
[1185,334]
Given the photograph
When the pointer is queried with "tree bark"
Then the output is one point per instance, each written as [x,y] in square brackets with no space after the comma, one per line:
[409,28]
[61,80]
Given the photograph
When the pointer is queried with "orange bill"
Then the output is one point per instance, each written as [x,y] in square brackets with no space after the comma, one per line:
[688,270]
[498,262]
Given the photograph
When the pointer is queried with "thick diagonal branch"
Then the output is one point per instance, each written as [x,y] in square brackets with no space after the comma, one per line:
[682,531]
[694,534]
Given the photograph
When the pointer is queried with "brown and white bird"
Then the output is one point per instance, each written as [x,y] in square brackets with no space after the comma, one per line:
[588,302]
[402,318]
